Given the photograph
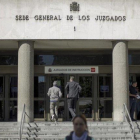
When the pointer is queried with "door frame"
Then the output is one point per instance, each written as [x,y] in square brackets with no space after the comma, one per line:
[88,98]
[104,98]
[66,79]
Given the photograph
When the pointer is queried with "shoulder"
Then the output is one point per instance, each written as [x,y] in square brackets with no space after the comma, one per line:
[74,82]
[69,137]
[130,88]
[50,88]
[90,138]
[67,83]
[57,88]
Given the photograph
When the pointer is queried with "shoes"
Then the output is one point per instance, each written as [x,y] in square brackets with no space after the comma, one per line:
[72,119]
[52,117]
[134,120]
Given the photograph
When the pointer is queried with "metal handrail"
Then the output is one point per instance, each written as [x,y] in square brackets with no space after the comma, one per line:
[125,110]
[22,122]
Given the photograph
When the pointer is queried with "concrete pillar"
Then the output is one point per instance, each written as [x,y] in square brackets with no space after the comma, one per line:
[26,79]
[120,78]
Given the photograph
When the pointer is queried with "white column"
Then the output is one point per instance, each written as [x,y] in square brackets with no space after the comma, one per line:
[26,79]
[120,78]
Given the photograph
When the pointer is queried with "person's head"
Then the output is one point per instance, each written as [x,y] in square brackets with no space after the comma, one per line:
[55,83]
[134,83]
[80,125]
[71,78]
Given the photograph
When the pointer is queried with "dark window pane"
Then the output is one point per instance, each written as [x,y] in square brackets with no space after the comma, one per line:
[38,109]
[13,87]
[61,110]
[105,108]
[39,86]
[101,83]
[105,86]
[13,110]
[1,110]
[8,59]
[108,87]
[1,87]
[134,59]
[85,107]
[131,80]
[104,59]
[86,84]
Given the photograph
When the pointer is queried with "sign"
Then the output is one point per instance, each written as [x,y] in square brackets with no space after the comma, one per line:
[104,88]
[69,17]
[73,7]
[71,69]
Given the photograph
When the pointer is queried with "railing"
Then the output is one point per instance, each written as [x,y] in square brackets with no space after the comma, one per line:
[22,122]
[125,112]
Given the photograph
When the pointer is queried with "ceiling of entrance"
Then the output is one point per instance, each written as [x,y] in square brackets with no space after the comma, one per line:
[68,45]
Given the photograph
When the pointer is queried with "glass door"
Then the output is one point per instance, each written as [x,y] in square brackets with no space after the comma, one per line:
[39,97]
[104,99]
[1,98]
[85,102]
[13,98]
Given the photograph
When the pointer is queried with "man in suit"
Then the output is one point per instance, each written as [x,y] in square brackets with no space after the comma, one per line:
[73,89]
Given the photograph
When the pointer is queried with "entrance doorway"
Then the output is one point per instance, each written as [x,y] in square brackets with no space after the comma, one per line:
[1,98]
[90,99]
[96,93]
[84,104]
[105,97]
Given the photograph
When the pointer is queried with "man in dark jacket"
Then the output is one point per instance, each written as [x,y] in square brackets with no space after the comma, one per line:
[73,89]
[133,99]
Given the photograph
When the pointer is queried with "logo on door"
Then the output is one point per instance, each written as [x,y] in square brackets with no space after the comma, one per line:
[92,69]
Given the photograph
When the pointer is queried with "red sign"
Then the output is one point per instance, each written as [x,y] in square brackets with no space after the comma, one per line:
[92,69]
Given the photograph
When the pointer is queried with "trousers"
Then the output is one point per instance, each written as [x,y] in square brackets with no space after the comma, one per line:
[133,103]
[54,109]
[72,106]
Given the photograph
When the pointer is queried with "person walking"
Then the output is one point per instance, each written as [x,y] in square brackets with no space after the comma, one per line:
[73,89]
[138,104]
[80,131]
[55,94]
[133,99]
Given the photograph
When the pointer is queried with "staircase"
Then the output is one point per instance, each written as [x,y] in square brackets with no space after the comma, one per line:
[52,131]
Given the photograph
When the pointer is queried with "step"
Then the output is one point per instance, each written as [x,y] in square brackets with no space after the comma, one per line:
[61,123]
[63,136]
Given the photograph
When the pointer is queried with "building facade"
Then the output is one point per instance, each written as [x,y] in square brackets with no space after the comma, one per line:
[95,41]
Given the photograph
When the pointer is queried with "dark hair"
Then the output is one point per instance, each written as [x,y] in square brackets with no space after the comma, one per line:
[82,117]
[134,82]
